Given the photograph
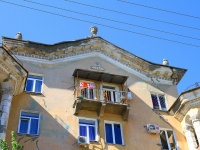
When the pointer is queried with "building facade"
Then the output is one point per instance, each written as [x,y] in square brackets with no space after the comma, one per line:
[187,111]
[91,94]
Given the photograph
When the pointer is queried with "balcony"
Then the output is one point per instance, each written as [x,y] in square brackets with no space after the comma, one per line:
[102,97]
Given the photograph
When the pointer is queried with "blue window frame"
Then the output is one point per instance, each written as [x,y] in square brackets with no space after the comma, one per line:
[88,128]
[34,84]
[113,133]
[29,123]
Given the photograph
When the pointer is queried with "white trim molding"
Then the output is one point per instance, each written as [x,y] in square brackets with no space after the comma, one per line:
[117,63]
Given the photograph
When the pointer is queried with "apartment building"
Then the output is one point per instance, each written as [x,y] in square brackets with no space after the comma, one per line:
[91,94]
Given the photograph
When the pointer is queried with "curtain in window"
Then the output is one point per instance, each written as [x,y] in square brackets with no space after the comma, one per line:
[23,126]
[109,134]
[92,133]
[155,101]
[38,86]
[162,101]
[83,130]
[118,136]
[34,126]
[29,85]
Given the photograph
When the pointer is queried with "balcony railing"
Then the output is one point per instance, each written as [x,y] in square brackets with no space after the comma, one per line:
[106,95]
[102,101]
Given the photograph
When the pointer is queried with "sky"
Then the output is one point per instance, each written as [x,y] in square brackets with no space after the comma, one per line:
[67,20]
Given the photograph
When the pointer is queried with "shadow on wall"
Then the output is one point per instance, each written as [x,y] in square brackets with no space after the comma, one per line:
[55,132]
[140,115]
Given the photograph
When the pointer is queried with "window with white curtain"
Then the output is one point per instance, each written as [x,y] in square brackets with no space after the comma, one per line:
[29,123]
[88,128]
[34,84]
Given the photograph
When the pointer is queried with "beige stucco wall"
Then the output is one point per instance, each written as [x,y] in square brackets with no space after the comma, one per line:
[58,125]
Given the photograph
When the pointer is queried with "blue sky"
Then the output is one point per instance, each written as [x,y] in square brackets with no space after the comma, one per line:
[48,28]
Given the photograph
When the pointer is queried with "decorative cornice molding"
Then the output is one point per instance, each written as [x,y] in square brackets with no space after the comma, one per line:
[194,118]
[9,66]
[9,91]
[50,53]
[132,70]
[186,107]
[188,128]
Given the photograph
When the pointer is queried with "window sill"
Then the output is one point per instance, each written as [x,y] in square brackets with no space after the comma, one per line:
[115,144]
[33,93]
[94,142]
[30,135]
[160,110]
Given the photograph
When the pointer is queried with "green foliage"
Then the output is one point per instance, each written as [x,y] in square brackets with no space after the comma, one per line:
[3,145]
[15,144]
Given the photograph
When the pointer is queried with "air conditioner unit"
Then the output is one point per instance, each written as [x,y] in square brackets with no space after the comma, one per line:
[153,128]
[83,140]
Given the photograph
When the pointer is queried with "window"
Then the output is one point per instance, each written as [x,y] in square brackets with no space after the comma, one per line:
[87,90]
[111,93]
[113,133]
[34,84]
[88,128]
[159,101]
[29,123]
[167,140]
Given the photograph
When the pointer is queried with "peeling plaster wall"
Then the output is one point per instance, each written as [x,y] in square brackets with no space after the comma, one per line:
[58,125]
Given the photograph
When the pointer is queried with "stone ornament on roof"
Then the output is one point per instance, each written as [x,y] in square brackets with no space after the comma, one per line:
[93,31]
[18,36]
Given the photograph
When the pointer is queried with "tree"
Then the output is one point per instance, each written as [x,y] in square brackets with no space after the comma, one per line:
[15,144]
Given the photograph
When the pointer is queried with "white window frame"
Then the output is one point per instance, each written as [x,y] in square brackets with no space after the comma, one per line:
[29,118]
[165,130]
[113,133]
[34,82]
[117,92]
[94,94]
[96,127]
[160,108]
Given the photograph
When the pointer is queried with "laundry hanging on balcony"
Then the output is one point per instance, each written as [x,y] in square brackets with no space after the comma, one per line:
[91,86]
[83,85]
[87,85]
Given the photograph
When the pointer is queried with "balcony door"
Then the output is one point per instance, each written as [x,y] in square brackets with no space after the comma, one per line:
[110,93]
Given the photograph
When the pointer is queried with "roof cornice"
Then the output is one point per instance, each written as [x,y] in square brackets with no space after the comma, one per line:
[62,50]
[187,100]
